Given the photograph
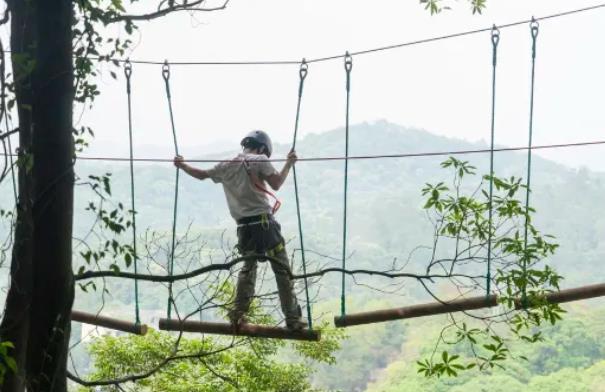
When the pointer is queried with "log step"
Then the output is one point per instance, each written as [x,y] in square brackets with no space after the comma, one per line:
[251,330]
[108,322]
[458,305]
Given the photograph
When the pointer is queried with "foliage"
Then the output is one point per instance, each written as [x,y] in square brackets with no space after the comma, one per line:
[436,6]
[569,358]
[181,363]
[7,362]
[482,229]
[109,224]
[205,364]
[381,202]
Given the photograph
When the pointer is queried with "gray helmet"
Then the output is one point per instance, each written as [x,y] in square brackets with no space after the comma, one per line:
[261,138]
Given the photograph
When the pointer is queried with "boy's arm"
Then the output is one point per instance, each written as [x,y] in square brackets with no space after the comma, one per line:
[200,174]
[276,180]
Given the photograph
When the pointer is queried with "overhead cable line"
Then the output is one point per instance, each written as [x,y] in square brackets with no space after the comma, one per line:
[366,51]
[357,157]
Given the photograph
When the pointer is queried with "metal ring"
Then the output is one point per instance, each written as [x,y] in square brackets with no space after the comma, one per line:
[495,35]
[304,69]
[348,62]
[166,70]
[534,27]
[128,68]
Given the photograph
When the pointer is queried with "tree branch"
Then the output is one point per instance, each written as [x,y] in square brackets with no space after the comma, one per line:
[7,134]
[163,12]
[228,265]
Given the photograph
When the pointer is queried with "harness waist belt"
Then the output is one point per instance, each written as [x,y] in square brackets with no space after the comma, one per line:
[254,219]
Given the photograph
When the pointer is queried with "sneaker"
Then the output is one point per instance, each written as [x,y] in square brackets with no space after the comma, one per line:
[296,325]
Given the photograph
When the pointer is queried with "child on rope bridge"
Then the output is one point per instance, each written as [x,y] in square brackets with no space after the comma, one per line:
[244,179]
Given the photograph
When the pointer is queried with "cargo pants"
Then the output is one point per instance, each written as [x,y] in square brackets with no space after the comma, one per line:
[263,237]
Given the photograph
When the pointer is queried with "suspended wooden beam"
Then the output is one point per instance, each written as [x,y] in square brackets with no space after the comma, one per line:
[251,330]
[458,305]
[108,322]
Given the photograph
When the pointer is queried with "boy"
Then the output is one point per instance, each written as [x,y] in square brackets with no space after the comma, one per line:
[244,179]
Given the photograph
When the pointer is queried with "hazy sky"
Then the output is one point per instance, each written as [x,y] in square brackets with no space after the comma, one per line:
[443,87]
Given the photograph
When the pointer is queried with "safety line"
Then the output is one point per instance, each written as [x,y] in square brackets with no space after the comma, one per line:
[361,52]
[354,157]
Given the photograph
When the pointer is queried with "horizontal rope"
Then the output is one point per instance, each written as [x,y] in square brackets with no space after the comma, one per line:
[355,157]
[366,51]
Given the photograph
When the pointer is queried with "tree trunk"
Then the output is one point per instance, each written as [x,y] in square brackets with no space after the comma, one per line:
[40,314]
[16,320]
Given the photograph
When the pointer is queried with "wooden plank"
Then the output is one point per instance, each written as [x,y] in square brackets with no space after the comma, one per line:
[108,322]
[458,305]
[251,330]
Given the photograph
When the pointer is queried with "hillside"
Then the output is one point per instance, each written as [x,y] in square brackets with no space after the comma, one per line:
[386,222]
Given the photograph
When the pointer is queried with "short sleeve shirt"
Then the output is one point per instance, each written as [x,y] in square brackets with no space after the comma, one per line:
[243,197]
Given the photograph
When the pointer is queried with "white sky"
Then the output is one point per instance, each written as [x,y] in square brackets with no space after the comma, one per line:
[443,87]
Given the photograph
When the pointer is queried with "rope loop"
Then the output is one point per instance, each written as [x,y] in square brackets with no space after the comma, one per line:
[495,41]
[348,67]
[127,73]
[166,70]
[304,69]
[534,26]
[534,29]
[348,62]
[495,35]
[127,69]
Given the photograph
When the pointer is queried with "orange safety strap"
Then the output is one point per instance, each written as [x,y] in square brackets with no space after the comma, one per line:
[258,184]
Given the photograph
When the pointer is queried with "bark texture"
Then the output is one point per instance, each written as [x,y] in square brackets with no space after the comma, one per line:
[37,314]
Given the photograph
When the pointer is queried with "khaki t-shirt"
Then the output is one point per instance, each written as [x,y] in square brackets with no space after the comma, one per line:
[243,197]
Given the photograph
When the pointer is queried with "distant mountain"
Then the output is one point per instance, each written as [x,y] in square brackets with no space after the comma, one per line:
[385,218]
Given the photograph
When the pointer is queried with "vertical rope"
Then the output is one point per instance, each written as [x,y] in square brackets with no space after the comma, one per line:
[166,76]
[533,28]
[128,74]
[348,66]
[302,75]
[495,40]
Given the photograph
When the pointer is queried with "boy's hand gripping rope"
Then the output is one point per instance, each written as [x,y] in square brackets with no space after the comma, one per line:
[533,29]
[495,36]
[128,74]
[302,75]
[348,63]
[166,76]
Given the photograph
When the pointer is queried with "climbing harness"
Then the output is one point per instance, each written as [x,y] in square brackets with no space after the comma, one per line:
[259,185]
